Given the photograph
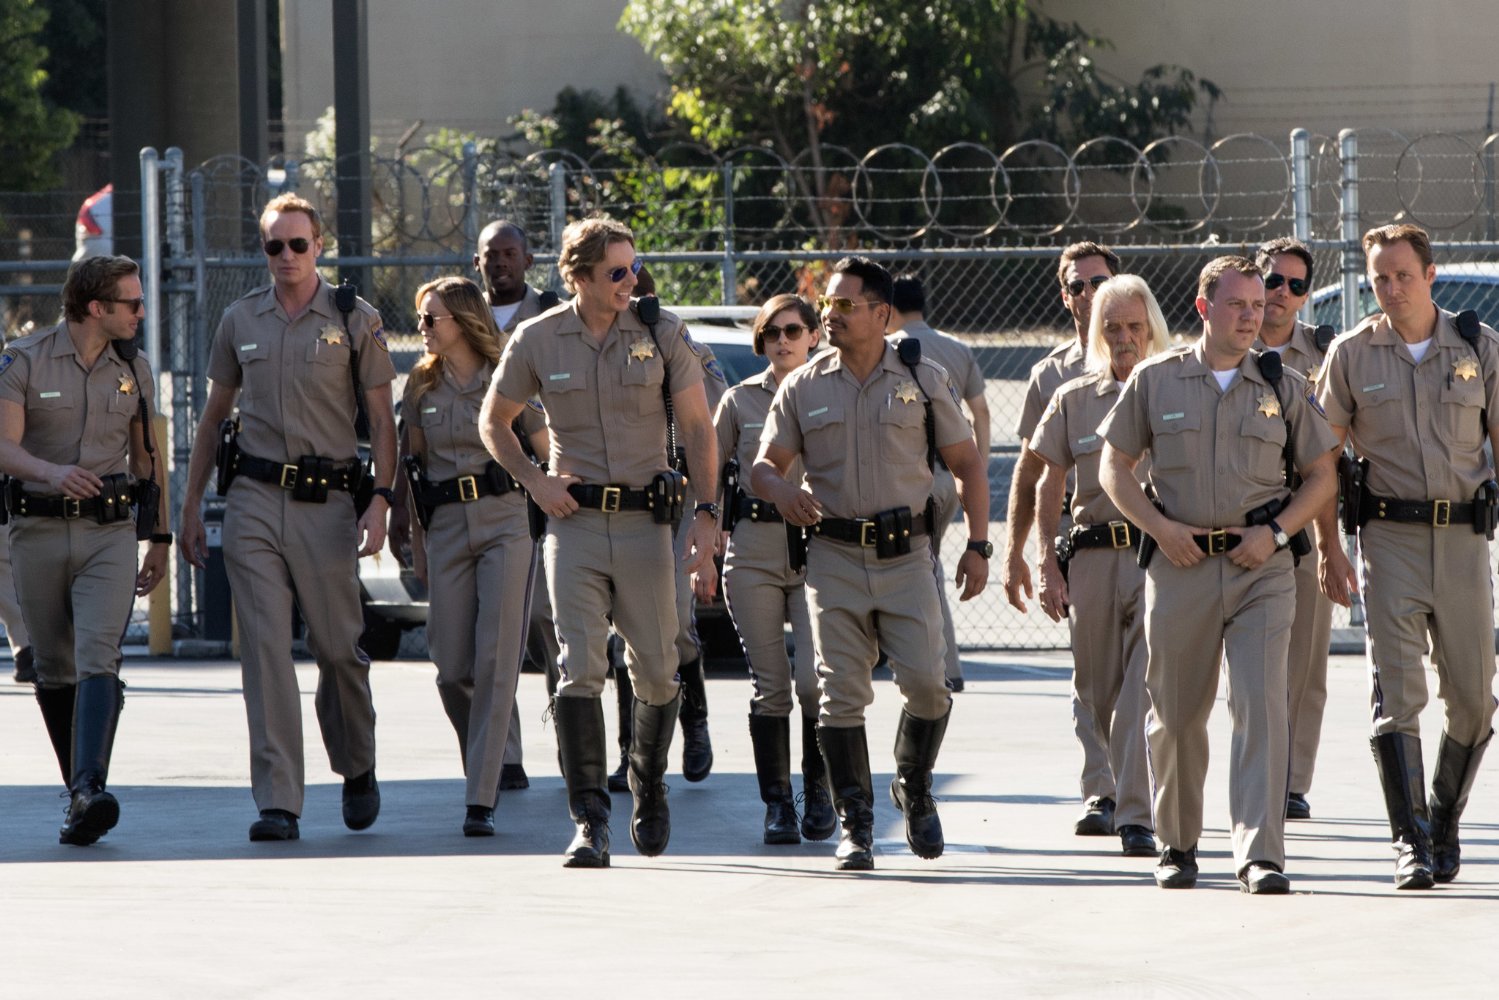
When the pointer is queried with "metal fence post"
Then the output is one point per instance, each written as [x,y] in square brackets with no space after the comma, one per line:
[727,269]
[1301,196]
[151,253]
[1353,264]
[557,175]
[471,193]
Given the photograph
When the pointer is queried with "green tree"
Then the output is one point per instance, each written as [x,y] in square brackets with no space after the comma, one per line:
[33,131]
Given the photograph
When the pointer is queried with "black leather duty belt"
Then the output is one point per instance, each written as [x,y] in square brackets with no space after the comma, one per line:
[284,475]
[1113,535]
[1215,543]
[748,508]
[610,499]
[36,505]
[1437,513]
[465,489]
[860,531]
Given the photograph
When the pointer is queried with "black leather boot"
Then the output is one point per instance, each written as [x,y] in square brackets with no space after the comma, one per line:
[580,739]
[697,748]
[93,812]
[916,744]
[846,751]
[819,821]
[1456,767]
[1400,773]
[57,714]
[624,692]
[650,820]
[770,735]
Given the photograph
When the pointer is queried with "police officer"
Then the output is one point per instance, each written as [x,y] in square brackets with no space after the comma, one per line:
[1417,390]
[1081,268]
[1222,585]
[765,587]
[865,425]
[908,319]
[600,371]
[1287,264]
[73,439]
[285,353]
[1104,588]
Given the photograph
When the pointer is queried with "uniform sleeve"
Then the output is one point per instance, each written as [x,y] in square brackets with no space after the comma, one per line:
[782,428]
[375,367]
[1333,391]
[515,378]
[15,376]
[1050,440]
[1127,426]
[1311,437]
[726,426]
[952,427]
[532,417]
[1490,358]
[145,381]
[223,364]
[684,360]
[973,382]
[1030,413]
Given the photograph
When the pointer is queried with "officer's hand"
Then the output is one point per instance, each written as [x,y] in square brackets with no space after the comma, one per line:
[705,584]
[1054,596]
[71,481]
[1176,544]
[153,570]
[1256,545]
[398,538]
[697,553]
[372,527]
[552,497]
[972,576]
[192,540]
[1336,575]
[419,563]
[799,507]
[1016,579]
[723,542]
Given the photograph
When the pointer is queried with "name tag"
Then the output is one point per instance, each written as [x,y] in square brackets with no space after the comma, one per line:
[1173,416]
[559,377]
[1372,388]
[248,347]
[50,395]
[429,409]
[818,412]
[752,426]
[1087,440]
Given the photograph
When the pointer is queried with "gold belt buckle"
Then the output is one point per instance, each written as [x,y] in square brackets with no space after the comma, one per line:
[71,509]
[288,477]
[1119,534]
[468,489]
[868,536]
[1441,513]
[1218,542]
[611,501]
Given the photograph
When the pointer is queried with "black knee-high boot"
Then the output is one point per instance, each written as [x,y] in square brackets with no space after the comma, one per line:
[93,812]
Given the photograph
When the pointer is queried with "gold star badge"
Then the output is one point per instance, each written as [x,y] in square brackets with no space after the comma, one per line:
[642,349]
[1269,405]
[331,335]
[127,384]
[906,391]
[1466,369]
[1313,373]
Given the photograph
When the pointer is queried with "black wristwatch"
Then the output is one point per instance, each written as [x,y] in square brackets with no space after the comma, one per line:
[162,539]
[985,549]
[711,509]
[1281,538]
[388,493]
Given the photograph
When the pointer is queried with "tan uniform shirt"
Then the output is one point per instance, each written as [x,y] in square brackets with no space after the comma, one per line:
[949,352]
[864,447]
[1418,425]
[297,397]
[1069,436]
[740,421]
[1216,455]
[448,415]
[1065,363]
[1300,352]
[73,416]
[603,400]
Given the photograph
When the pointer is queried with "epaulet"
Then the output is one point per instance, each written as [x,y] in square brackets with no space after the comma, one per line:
[255,292]
[1173,355]
[1075,384]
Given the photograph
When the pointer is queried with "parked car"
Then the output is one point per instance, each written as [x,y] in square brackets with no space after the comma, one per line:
[1457,287]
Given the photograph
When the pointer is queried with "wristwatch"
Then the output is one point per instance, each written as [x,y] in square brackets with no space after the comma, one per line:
[164,538]
[985,549]
[388,493]
[711,509]
[1281,538]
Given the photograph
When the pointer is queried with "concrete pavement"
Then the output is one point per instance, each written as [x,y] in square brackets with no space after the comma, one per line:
[177,903]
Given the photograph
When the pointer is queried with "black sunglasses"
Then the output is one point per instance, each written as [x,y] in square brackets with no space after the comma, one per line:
[298,245]
[1076,285]
[618,274]
[1298,286]
[136,305]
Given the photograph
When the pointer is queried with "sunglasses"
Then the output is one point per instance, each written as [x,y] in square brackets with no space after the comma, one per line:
[298,245]
[1298,286]
[790,332]
[429,320]
[136,305]
[618,274]
[1076,285]
[841,304]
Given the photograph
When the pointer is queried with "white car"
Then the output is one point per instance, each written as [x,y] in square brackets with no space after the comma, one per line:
[1457,287]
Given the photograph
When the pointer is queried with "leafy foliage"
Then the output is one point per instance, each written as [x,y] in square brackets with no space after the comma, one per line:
[33,129]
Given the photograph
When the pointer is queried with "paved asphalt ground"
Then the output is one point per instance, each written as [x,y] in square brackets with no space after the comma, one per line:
[176,902]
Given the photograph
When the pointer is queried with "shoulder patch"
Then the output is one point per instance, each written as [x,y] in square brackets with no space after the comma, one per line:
[378,336]
[692,345]
[6,360]
[710,365]
[1311,398]
[535,404]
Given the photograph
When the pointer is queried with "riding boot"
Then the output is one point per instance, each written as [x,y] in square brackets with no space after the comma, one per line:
[846,752]
[770,735]
[697,748]
[916,744]
[57,713]
[1457,765]
[1400,772]
[624,692]
[650,821]
[819,821]
[580,740]
[93,812]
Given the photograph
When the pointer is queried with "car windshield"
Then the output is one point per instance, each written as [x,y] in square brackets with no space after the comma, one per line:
[1452,292]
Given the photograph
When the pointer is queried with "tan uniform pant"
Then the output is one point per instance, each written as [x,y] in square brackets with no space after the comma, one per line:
[621,564]
[861,604]
[1306,673]
[480,558]
[75,581]
[10,605]
[1193,618]
[763,594]
[277,549]
[541,649]
[945,507]
[1419,580]
[1107,589]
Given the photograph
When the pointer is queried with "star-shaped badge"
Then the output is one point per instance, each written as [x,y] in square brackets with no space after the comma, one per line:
[331,335]
[642,349]
[906,391]
[1313,373]
[1466,369]
[1269,405]
[127,384]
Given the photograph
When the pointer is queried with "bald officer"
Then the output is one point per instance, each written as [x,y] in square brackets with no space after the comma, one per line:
[864,424]
[284,352]
[600,372]
[1413,394]
[1223,583]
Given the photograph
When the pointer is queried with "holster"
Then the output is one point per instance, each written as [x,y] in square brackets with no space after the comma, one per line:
[226,455]
[536,518]
[669,492]
[4,499]
[730,494]
[1148,544]
[500,481]
[1064,552]
[796,547]
[364,491]
[892,532]
[115,498]
[1352,477]
[1486,509]
[416,480]
[147,506]
[1266,512]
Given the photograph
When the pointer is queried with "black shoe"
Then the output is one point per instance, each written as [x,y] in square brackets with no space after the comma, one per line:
[361,801]
[650,818]
[25,666]
[819,819]
[1297,806]
[770,739]
[92,811]
[917,742]
[1261,878]
[697,747]
[1450,784]
[580,740]
[1136,841]
[781,823]
[1177,869]
[1097,820]
[275,824]
[845,751]
[478,821]
[513,778]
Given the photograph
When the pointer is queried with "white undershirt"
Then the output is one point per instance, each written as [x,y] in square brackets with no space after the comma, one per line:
[1225,377]
[1419,348]
[502,314]
[1279,349]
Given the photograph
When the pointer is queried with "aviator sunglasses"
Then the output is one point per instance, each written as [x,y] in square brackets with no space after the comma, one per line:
[1076,285]
[841,304]
[429,320]
[1298,286]
[618,274]
[298,245]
